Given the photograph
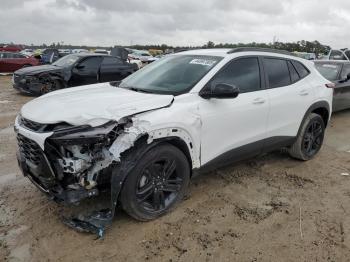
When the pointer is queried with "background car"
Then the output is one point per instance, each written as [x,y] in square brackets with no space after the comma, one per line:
[339,73]
[27,52]
[101,51]
[10,48]
[50,55]
[338,54]
[71,70]
[143,56]
[10,62]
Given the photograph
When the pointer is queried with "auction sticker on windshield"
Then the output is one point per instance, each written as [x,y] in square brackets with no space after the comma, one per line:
[205,62]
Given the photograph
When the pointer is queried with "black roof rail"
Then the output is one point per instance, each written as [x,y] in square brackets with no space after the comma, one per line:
[259,49]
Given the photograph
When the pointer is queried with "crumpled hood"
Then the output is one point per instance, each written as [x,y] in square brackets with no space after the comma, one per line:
[32,70]
[92,104]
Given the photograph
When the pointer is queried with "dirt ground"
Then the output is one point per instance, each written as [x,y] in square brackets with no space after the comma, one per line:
[272,208]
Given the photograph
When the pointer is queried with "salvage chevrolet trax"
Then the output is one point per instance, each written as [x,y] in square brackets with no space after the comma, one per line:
[144,138]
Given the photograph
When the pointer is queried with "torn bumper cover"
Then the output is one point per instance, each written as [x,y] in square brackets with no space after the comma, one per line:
[76,164]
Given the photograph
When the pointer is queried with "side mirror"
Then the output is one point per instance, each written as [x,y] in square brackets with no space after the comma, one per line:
[80,67]
[348,77]
[220,90]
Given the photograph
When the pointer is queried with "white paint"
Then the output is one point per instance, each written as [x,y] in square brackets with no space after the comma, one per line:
[92,104]
[209,127]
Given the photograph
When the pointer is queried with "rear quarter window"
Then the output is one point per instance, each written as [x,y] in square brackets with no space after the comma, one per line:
[301,69]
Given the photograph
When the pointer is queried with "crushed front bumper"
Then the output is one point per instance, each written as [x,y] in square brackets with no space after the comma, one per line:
[43,177]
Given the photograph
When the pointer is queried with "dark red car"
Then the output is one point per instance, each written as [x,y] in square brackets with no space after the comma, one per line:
[10,48]
[10,62]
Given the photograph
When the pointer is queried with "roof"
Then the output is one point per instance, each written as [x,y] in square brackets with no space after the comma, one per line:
[332,61]
[89,54]
[210,52]
[228,51]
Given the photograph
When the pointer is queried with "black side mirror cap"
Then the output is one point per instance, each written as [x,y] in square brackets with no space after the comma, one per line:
[80,67]
[220,90]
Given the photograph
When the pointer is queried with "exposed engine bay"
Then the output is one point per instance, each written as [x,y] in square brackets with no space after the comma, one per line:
[76,164]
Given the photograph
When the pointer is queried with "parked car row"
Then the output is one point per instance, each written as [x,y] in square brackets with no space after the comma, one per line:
[10,62]
[71,70]
[143,138]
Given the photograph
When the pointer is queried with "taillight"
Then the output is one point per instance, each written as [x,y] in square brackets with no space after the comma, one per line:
[330,85]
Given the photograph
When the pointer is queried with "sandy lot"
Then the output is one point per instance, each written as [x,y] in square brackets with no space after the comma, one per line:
[271,208]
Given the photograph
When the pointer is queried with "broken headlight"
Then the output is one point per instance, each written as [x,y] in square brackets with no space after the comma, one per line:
[85,134]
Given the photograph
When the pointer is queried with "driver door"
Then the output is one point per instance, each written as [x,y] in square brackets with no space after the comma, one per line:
[234,128]
[86,72]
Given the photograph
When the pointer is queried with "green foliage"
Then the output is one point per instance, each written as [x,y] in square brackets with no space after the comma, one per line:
[299,46]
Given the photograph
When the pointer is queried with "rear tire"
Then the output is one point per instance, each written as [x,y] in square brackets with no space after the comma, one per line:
[310,138]
[156,184]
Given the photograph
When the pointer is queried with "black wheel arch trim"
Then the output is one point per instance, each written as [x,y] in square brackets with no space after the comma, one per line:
[317,105]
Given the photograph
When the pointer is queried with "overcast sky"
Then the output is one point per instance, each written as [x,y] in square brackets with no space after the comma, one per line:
[174,22]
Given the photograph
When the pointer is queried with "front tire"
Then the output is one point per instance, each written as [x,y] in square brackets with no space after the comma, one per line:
[310,138]
[157,183]
[51,86]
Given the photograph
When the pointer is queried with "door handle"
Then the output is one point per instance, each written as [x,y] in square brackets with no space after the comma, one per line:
[303,92]
[259,101]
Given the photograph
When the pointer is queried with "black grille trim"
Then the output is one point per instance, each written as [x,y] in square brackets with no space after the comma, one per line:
[30,149]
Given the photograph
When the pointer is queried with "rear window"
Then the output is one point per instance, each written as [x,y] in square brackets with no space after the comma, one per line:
[301,69]
[328,70]
[277,72]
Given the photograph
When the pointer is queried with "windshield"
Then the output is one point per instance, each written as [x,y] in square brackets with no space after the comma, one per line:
[329,71]
[67,60]
[171,75]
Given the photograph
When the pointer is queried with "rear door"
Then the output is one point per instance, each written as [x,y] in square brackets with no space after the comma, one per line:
[235,128]
[341,97]
[290,95]
[86,71]
[113,69]
[9,62]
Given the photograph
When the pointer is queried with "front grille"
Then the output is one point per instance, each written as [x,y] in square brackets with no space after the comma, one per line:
[30,150]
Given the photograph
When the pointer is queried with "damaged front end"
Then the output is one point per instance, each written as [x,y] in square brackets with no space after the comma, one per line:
[77,162]
[37,84]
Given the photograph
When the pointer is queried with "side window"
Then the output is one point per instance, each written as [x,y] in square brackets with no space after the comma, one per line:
[347,53]
[111,61]
[18,56]
[345,71]
[243,73]
[277,72]
[91,62]
[294,76]
[8,55]
[336,55]
[301,69]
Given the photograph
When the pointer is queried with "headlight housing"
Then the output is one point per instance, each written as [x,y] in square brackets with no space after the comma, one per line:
[85,134]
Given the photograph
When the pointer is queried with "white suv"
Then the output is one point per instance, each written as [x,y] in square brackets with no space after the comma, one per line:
[143,139]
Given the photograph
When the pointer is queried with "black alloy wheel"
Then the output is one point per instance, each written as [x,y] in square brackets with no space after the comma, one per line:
[309,139]
[157,183]
[313,138]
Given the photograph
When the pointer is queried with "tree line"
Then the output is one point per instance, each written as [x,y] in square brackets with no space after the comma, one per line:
[299,46]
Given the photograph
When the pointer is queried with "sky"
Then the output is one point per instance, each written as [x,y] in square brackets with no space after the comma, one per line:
[174,22]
